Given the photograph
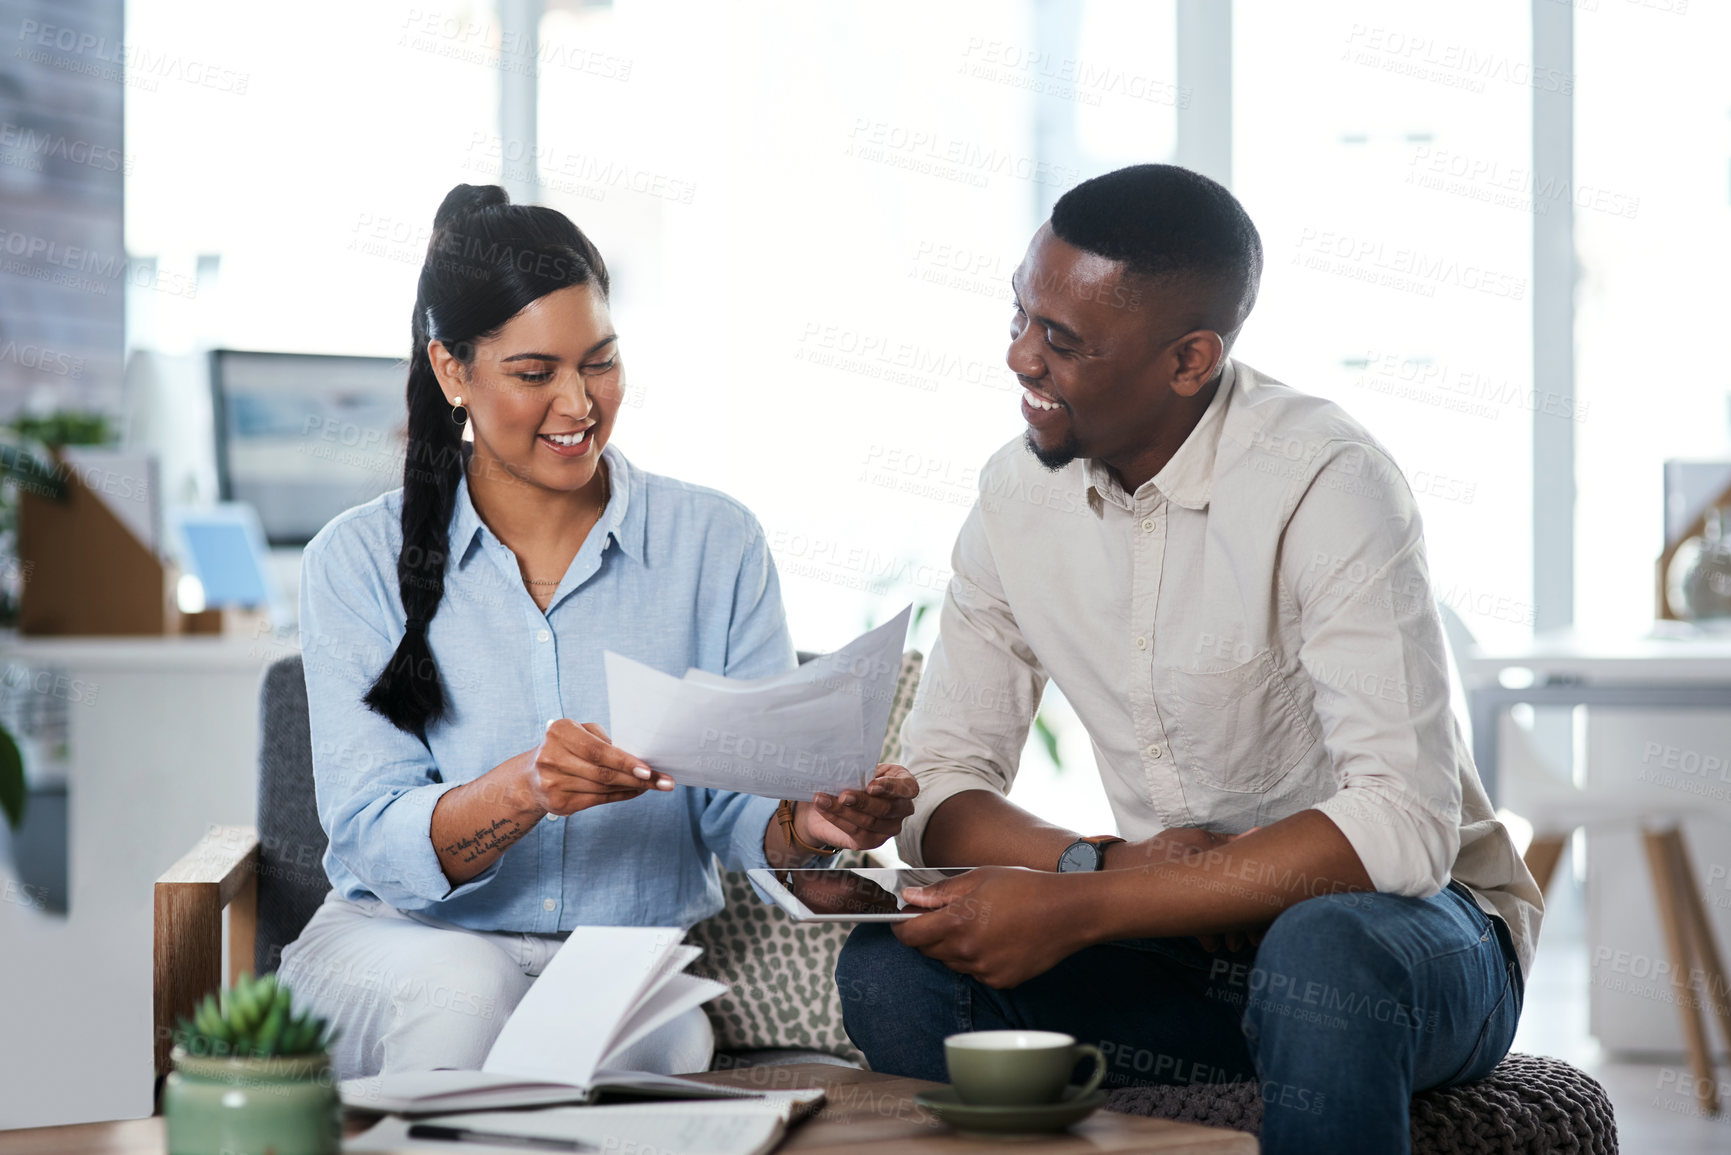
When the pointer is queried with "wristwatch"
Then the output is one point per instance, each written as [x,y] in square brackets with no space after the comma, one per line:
[1086,854]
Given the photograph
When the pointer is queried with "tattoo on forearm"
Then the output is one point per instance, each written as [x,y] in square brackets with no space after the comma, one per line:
[497,835]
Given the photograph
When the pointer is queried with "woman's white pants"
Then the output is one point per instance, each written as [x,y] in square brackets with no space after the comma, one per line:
[407,992]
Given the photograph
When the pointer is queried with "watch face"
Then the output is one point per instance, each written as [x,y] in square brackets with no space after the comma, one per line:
[1079,856]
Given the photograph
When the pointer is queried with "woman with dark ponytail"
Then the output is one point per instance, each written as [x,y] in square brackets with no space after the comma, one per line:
[452,632]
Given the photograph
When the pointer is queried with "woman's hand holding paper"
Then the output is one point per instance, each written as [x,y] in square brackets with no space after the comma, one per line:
[577,766]
[574,767]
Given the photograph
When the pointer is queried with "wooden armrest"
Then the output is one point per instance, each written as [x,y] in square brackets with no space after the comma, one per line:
[221,871]
[227,857]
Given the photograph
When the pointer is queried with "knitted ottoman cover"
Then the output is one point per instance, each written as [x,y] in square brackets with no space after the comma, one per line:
[1527,1104]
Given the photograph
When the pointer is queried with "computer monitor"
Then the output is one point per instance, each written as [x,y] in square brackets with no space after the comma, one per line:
[303,436]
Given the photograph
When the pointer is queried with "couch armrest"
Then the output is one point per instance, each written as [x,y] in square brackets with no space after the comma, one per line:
[220,871]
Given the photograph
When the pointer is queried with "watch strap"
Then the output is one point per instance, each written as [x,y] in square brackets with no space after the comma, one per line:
[1099,842]
[784,815]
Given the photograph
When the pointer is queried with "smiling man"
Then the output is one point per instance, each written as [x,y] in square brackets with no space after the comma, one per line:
[1236,602]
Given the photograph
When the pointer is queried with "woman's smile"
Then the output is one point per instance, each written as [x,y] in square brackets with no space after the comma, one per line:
[574,444]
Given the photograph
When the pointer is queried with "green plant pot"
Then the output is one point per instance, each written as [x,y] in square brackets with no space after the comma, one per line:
[227,1106]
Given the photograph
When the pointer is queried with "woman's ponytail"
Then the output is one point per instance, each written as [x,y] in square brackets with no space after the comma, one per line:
[487,259]
[408,690]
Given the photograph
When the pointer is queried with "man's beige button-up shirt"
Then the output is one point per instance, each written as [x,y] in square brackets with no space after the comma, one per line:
[1249,634]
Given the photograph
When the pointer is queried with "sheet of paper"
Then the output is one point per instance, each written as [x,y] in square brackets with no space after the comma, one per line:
[126,482]
[710,1127]
[568,1020]
[817,728]
[792,1104]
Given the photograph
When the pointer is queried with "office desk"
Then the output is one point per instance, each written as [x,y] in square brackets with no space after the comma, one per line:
[1646,674]
[1659,727]
[163,743]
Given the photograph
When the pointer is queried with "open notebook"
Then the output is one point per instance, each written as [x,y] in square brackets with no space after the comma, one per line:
[607,988]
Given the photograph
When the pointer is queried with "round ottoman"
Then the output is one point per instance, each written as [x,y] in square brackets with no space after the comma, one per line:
[1529,1103]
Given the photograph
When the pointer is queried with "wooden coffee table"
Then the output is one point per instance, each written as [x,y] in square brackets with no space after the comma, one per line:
[863,1112]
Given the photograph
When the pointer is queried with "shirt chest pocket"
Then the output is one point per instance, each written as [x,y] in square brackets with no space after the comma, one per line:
[1237,729]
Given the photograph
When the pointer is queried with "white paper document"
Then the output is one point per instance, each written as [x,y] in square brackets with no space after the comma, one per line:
[709,1128]
[127,482]
[817,728]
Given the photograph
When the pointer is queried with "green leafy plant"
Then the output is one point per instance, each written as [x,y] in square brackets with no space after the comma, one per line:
[18,466]
[1049,739]
[65,427]
[252,1019]
[20,469]
[25,466]
[12,792]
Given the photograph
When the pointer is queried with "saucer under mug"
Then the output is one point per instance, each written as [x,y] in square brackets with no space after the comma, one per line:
[1076,1104]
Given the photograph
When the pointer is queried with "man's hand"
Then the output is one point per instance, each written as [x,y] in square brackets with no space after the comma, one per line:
[1001,924]
[577,766]
[859,819]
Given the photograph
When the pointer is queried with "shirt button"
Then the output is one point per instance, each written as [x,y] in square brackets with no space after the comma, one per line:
[553,817]
[1141,643]
[548,904]
[1155,751]
[1148,524]
[542,636]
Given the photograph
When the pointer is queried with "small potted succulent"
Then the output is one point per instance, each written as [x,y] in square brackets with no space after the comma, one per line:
[251,1077]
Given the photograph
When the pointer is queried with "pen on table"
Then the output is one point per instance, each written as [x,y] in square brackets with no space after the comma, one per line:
[502,1139]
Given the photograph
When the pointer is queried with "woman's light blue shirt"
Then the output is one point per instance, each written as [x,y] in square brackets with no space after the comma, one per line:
[673,575]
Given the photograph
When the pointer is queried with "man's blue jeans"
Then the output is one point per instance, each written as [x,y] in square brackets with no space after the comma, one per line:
[1351,1003]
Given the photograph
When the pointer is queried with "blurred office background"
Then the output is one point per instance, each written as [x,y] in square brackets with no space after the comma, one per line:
[1493,232]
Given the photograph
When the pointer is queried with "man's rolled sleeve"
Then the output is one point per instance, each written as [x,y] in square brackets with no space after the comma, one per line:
[1353,561]
[376,786]
[977,696]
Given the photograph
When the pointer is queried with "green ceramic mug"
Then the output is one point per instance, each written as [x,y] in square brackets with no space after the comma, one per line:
[1017,1068]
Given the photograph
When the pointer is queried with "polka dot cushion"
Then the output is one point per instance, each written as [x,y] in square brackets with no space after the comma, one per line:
[781,974]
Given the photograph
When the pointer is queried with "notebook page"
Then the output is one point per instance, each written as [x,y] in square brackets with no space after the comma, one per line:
[672,963]
[564,1024]
[675,961]
[673,998]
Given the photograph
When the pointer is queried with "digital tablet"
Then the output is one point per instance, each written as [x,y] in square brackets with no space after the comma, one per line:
[861,894]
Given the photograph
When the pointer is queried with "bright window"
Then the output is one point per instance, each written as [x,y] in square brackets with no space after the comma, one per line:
[1384,152]
[1652,212]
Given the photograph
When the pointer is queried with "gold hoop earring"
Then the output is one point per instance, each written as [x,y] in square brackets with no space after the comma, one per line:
[457,407]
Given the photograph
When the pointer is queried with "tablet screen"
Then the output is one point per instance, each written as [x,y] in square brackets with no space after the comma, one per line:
[867,890]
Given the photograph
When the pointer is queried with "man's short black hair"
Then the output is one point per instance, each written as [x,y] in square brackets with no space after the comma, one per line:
[1170,224]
